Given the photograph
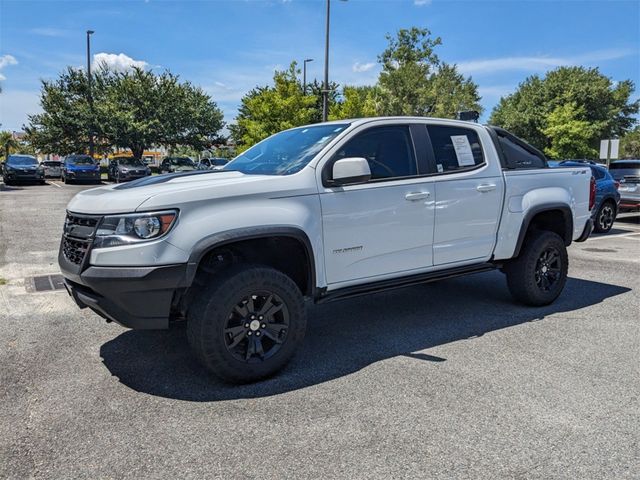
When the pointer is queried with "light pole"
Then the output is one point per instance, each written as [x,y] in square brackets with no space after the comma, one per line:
[89,80]
[304,75]
[325,89]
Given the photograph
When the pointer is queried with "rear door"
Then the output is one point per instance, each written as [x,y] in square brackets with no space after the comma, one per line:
[469,192]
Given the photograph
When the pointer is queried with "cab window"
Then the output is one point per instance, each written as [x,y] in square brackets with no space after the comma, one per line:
[455,148]
[388,150]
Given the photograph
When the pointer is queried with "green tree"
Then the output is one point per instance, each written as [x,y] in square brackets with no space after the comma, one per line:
[568,133]
[630,144]
[64,124]
[414,81]
[135,109]
[268,110]
[7,143]
[357,102]
[606,106]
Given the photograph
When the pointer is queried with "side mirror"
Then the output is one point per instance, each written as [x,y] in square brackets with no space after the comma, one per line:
[351,170]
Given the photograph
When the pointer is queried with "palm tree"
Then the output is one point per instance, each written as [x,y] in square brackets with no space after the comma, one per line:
[7,142]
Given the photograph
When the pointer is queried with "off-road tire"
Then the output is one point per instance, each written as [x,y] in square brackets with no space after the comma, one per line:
[524,273]
[215,305]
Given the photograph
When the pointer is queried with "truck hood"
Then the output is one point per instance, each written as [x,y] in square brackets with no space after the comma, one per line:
[172,190]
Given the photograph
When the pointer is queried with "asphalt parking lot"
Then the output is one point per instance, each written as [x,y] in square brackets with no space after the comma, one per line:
[447,380]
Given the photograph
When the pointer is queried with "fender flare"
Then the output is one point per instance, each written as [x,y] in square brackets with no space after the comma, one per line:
[546,207]
[219,239]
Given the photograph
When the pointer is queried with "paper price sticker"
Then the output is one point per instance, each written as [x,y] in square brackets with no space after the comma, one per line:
[463,150]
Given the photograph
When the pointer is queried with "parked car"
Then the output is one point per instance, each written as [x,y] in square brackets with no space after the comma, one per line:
[177,164]
[77,168]
[122,169]
[607,196]
[22,168]
[52,168]
[325,211]
[212,163]
[627,172]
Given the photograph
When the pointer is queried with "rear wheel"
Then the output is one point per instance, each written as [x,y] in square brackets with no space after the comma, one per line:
[605,217]
[247,323]
[538,275]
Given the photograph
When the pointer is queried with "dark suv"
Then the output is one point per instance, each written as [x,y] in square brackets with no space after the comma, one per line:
[22,168]
[122,169]
[627,172]
[607,197]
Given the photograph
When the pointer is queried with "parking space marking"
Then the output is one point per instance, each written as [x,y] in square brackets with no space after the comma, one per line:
[54,184]
[620,235]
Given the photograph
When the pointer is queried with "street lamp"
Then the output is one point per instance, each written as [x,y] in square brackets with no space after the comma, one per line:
[89,80]
[325,89]
[304,75]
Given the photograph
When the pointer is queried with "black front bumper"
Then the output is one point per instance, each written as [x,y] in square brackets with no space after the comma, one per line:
[134,297]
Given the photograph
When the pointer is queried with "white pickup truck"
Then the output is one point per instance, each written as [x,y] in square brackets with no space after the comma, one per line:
[321,212]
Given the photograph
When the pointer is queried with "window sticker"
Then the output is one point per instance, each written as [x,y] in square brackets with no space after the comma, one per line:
[463,150]
[440,168]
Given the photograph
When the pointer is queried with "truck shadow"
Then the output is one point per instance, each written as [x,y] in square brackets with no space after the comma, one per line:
[346,336]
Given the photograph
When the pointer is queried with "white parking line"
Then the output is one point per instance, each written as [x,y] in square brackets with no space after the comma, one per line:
[54,184]
[620,235]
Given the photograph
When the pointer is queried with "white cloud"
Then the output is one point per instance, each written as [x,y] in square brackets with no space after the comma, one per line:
[539,63]
[363,67]
[420,3]
[5,61]
[118,62]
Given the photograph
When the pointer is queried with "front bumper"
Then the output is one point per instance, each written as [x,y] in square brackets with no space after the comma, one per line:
[24,176]
[82,175]
[134,297]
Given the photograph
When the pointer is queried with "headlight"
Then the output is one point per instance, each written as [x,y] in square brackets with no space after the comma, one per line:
[117,230]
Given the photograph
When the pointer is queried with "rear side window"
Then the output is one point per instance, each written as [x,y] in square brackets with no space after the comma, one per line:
[598,173]
[389,151]
[455,148]
[518,156]
[625,165]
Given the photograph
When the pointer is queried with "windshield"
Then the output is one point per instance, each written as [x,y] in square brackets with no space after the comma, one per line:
[183,162]
[79,160]
[218,162]
[286,152]
[624,165]
[20,160]
[51,163]
[130,162]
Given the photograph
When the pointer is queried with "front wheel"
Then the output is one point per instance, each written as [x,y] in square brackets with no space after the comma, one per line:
[247,324]
[605,217]
[538,275]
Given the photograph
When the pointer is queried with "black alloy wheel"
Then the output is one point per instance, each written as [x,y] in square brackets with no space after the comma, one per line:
[257,327]
[548,269]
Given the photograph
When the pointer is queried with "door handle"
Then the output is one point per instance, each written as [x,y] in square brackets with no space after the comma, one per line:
[486,187]
[415,196]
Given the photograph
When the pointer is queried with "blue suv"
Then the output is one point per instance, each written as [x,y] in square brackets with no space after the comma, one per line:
[80,168]
[607,196]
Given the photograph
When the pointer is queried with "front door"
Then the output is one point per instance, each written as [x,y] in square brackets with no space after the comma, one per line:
[384,226]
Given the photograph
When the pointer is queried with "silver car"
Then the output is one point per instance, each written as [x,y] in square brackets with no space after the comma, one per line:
[52,168]
[627,172]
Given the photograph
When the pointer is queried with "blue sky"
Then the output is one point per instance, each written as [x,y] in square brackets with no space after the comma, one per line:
[229,46]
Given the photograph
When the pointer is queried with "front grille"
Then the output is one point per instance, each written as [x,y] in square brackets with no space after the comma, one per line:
[75,250]
[78,236]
